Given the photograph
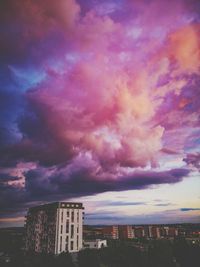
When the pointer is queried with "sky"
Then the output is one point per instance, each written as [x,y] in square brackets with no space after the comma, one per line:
[100,103]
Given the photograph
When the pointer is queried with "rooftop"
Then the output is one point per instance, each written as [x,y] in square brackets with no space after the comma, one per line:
[56,205]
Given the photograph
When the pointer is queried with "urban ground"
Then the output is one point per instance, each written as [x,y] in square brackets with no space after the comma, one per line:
[180,251]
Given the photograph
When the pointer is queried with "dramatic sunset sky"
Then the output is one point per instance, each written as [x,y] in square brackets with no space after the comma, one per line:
[100,103]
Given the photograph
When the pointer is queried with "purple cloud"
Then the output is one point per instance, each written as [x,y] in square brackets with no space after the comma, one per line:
[52,184]
[193,159]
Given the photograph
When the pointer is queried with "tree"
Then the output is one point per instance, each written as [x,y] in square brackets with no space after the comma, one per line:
[89,258]
[64,260]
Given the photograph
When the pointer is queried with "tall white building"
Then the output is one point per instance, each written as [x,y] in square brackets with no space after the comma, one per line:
[55,228]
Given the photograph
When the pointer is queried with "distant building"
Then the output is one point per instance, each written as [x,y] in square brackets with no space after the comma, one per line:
[166,230]
[110,232]
[139,231]
[126,232]
[162,232]
[154,232]
[173,232]
[95,244]
[54,228]
[92,232]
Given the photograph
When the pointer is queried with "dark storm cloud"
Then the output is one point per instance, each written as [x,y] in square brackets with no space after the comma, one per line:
[189,209]
[5,177]
[37,141]
[85,182]
[12,199]
[11,106]
[56,184]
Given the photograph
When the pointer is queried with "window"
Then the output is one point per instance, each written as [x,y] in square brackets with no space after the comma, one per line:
[67,213]
[72,231]
[62,216]
[78,216]
[67,226]
[61,229]
[71,245]
[66,247]
[61,243]
[72,216]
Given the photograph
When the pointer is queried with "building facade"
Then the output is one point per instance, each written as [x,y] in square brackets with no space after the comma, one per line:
[139,231]
[154,232]
[126,232]
[55,228]
[110,232]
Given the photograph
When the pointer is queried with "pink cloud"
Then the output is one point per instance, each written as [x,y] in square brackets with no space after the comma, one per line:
[119,88]
[108,104]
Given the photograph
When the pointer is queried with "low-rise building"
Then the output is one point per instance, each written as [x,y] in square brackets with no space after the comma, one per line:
[110,232]
[95,244]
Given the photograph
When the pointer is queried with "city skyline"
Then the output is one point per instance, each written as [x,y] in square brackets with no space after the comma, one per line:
[100,104]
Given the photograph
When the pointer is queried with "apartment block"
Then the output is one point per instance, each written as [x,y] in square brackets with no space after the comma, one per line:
[154,232]
[139,231]
[55,228]
[126,232]
[110,232]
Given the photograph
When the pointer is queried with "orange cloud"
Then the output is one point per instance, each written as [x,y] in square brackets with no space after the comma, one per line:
[8,220]
[185,48]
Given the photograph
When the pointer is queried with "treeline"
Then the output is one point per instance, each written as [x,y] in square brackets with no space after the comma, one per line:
[160,254]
